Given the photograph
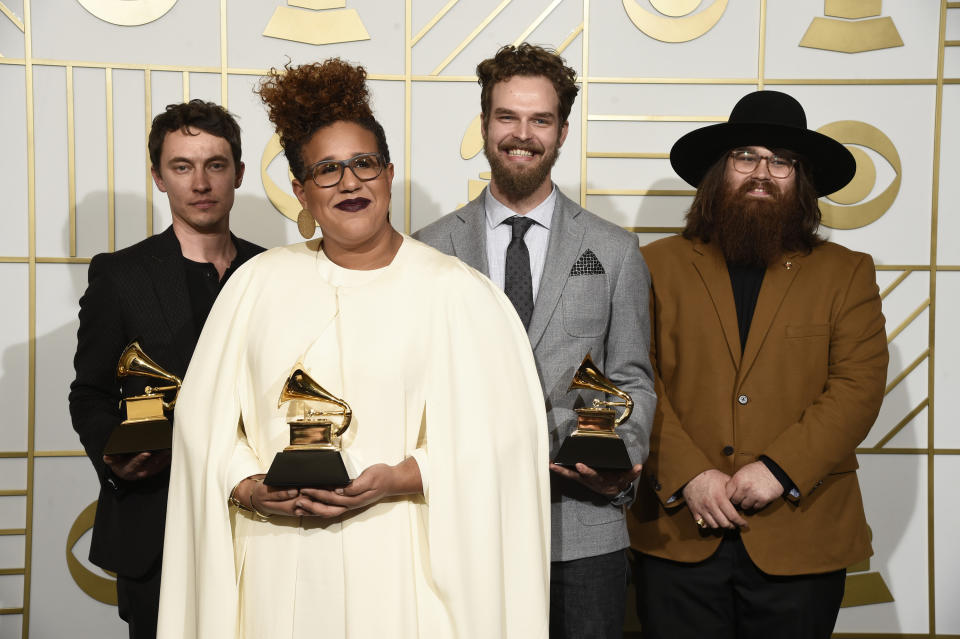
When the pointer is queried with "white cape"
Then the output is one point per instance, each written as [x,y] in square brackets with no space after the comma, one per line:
[435,364]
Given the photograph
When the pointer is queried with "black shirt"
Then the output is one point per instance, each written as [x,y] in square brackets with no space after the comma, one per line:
[204,284]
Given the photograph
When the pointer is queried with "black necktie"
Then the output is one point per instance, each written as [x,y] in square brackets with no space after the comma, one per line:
[517,282]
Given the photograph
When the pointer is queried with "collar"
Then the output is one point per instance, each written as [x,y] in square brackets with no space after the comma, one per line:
[497,211]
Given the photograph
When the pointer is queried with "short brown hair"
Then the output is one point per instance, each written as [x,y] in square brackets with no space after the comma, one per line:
[208,117]
[527,60]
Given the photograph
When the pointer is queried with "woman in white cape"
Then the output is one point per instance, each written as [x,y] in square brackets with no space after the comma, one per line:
[444,529]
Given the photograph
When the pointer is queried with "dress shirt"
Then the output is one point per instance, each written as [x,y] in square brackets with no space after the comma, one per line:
[536,238]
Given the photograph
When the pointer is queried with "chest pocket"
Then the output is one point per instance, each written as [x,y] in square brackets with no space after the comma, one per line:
[585,305]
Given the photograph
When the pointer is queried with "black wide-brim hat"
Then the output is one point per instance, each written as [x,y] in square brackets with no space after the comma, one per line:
[771,119]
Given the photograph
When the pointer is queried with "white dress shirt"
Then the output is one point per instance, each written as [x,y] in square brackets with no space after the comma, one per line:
[499,235]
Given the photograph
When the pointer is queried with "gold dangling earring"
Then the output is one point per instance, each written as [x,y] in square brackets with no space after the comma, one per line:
[306,224]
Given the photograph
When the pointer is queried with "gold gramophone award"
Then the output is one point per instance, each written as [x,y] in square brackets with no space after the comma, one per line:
[595,441]
[317,419]
[146,427]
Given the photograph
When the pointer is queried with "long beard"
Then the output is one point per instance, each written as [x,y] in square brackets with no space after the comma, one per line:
[755,232]
[518,183]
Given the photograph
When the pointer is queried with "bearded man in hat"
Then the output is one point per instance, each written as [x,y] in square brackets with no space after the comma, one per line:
[770,360]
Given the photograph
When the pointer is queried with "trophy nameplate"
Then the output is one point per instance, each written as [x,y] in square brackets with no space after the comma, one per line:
[595,441]
[146,427]
[313,459]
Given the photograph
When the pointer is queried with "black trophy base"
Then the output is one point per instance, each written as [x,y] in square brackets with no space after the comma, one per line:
[139,437]
[307,469]
[599,453]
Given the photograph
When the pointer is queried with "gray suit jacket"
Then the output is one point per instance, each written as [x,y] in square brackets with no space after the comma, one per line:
[578,311]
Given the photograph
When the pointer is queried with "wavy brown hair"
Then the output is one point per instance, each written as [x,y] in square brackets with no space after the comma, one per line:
[195,114]
[306,98]
[527,60]
[702,218]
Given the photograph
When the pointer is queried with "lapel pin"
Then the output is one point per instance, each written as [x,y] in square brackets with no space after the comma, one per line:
[788,265]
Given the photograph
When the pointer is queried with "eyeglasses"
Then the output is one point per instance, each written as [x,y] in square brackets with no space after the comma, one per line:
[745,161]
[328,173]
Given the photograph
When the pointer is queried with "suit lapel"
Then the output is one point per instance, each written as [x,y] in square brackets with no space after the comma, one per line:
[776,282]
[165,268]
[709,262]
[470,238]
[563,248]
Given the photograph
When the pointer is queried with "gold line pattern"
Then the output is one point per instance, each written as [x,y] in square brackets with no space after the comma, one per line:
[60,453]
[433,21]
[893,335]
[71,164]
[909,369]
[11,532]
[584,100]
[148,120]
[31,313]
[407,115]
[536,23]
[895,283]
[762,48]
[670,192]
[903,422]
[11,16]
[570,38]
[14,611]
[13,493]
[12,571]
[473,34]
[623,155]
[656,118]
[111,176]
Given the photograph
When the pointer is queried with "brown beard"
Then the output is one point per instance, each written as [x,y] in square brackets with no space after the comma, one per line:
[756,231]
[517,185]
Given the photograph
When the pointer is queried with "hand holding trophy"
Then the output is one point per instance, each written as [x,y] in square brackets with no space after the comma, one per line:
[313,458]
[146,427]
[595,441]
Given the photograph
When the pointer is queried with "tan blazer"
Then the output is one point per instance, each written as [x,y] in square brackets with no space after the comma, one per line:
[805,393]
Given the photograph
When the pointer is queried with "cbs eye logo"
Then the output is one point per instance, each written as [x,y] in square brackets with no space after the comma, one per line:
[100,588]
[676,21]
[846,209]
[288,205]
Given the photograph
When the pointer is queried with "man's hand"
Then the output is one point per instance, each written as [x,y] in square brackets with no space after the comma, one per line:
[372,485]
[753,486]
[606,483]
[134,466]
[706,496]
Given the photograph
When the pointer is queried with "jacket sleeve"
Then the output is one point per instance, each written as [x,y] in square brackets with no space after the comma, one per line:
[675,458]
[627,346]
[837,421]
[95,393]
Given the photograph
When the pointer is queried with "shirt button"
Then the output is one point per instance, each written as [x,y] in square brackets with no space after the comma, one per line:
[742,400]
[728,450]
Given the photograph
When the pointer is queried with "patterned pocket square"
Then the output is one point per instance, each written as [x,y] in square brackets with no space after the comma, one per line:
[587,264]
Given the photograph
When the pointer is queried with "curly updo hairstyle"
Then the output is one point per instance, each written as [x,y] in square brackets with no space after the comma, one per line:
[304,99]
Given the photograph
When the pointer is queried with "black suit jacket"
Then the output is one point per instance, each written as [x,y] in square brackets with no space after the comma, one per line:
[139,292]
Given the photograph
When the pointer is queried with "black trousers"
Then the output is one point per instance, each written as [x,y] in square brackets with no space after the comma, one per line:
[588,597]
[728,597]
[138,602]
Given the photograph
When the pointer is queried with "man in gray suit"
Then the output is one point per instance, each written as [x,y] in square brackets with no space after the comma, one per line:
[580,286]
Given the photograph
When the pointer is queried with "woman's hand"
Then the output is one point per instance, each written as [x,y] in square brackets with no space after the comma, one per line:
[264,499]
[373,484]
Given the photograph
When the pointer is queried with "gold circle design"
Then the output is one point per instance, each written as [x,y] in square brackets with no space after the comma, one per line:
[100,588]
[472,142]
[675,29]
[675,8]
[128,13]
[853,217]
[863,180]
[288,205]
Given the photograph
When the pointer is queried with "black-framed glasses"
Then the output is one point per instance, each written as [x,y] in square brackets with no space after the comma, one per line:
[328,173]
[747,161]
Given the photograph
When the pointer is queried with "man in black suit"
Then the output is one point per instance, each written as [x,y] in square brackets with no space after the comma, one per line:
[159,291]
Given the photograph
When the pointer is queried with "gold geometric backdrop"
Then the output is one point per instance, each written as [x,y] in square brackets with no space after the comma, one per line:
[82,79]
